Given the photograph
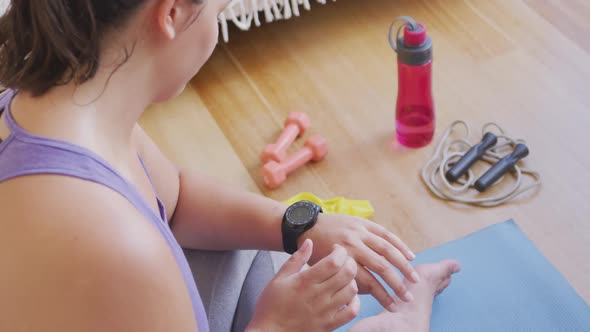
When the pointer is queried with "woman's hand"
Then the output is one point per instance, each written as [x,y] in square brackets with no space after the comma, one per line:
[373,247]
[321,298]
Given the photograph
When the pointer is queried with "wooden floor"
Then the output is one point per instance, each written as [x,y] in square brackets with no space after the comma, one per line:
[524,64]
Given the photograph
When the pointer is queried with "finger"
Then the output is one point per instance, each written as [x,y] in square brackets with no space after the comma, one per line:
[368,284]
[347,313]
[391,238]
[344,295]
[298,260]
[327,266]
[385,270]
[343,277]
[393,307]
[394,256]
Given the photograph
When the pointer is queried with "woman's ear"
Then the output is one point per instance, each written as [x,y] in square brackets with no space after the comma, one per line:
[171,16]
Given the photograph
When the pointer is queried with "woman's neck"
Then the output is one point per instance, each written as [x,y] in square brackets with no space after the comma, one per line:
[99,114]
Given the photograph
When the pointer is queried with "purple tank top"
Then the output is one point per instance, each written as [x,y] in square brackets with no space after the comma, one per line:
[23,153]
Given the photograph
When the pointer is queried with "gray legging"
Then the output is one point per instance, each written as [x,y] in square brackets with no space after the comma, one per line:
[230,283]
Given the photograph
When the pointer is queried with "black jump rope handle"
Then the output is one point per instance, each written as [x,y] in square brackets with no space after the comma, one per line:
[469,158]
[501,167]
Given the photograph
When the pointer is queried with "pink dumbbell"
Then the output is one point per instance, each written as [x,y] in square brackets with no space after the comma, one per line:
[274,174]
[295,126]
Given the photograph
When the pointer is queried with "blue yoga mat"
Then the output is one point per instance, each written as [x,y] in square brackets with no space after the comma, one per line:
[505,284]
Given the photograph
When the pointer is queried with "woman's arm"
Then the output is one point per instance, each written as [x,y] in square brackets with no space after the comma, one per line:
[205,214]
[213,216]
[77,256]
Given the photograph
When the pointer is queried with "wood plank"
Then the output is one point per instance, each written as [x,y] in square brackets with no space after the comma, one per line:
[492,63]
[185,131]
[570,17]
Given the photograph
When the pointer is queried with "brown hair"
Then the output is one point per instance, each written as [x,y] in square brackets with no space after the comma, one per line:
[45,43]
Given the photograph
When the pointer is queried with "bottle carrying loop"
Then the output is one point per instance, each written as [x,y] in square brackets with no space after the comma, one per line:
[408,21]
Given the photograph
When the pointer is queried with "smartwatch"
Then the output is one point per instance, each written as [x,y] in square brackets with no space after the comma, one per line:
[298,218]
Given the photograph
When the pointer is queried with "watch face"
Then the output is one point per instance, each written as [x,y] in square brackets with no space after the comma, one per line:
[300,214]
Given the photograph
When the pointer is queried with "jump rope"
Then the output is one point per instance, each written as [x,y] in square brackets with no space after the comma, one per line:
[449,177]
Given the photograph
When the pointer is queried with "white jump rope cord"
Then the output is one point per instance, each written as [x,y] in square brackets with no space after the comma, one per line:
[447,153]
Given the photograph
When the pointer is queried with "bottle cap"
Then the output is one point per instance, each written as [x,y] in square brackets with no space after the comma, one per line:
[414,36]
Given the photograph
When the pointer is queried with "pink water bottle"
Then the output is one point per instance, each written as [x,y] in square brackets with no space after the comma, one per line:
[414,114]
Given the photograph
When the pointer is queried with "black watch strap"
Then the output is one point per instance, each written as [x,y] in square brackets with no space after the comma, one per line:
[289,240]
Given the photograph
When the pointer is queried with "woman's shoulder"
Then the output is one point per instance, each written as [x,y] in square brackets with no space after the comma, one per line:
[41,198]
[78,253]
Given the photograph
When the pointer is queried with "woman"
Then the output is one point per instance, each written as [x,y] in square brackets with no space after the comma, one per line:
[94,216]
